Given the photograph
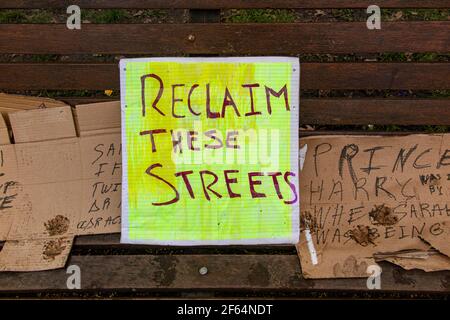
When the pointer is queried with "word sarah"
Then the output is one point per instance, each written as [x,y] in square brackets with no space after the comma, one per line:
[228,100]
[105,161]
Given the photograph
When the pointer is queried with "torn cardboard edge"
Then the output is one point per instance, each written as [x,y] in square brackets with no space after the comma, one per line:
[441,242]
[64,172]
[4,132]
[428,251]
[427,259]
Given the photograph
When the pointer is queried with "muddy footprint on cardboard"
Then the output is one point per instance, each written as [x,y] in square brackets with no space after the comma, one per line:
[383,215]
[57,226]
[363,235]
[350,268]
[53,248]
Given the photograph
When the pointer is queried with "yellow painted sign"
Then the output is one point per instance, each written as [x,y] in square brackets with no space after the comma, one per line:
[210,150]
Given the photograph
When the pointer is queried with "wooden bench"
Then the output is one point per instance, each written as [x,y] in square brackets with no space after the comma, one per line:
[109,268]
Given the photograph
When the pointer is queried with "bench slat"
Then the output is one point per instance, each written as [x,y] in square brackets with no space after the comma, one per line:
[226,39]
[375,111]
[221,4]
[225,272]
[345,111]
[327,76]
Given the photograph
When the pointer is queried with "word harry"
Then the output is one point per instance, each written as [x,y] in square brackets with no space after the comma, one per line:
[228,100]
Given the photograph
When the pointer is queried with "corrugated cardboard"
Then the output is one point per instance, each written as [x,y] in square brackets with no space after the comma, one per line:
[366,197]
[35,125]
[13,102]
[98,118]
[9,186]
[102,174]
[35,255]
[64,185]
[434,262]
[19,102]
[4,134]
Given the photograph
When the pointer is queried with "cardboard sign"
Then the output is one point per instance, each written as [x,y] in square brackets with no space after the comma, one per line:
[210,150]
[367,198]
[12,103]
[56,185]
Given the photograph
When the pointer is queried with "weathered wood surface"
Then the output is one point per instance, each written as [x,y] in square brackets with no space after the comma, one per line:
[327,76]
[348,111]
[375,111]
[226,39]
[221,4]
[225,272]
[249,268]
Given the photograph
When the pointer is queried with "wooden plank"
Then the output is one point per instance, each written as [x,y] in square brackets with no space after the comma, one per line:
[73,101]
[107,242]
[225,272]
[226,39]
[348,111]
[221,4]
[339,76]
[375,111]
[110,240]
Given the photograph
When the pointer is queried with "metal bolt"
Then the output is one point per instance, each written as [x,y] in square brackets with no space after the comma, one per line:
[203,270]
[191,37]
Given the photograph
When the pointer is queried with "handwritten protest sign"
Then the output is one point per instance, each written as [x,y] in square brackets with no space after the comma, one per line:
[210,150]
[368,197]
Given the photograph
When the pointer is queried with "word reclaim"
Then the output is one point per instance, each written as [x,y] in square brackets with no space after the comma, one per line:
[210,150]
